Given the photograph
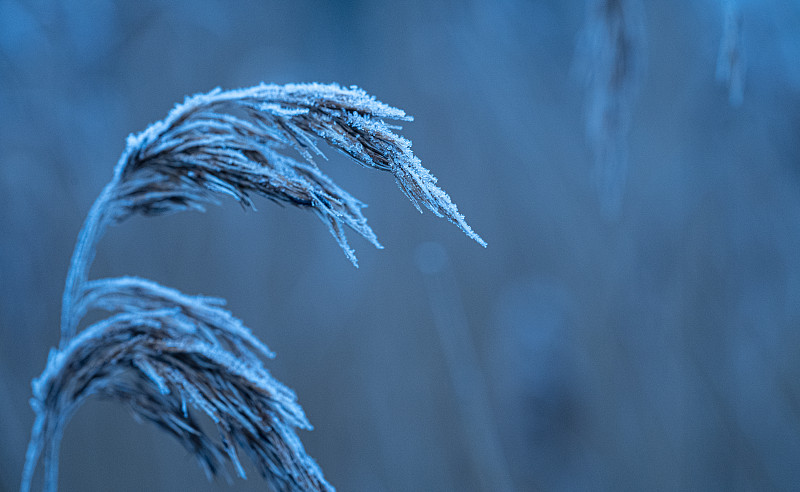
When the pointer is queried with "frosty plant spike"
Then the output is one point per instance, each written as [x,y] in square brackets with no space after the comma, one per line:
[235,143]
[167,355]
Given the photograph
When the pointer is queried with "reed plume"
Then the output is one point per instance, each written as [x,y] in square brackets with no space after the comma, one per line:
[158,361]
[232,143]
[162,352]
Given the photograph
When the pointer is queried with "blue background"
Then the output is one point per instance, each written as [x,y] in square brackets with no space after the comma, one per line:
[658,349]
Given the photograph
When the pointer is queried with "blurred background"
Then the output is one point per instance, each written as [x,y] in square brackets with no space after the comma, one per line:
[634,167]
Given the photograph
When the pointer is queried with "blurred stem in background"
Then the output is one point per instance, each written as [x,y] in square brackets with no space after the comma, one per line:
[469,383]
[610,60]
[731,65]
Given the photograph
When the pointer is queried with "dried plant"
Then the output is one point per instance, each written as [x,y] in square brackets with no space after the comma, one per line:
[611,59]
[162,352]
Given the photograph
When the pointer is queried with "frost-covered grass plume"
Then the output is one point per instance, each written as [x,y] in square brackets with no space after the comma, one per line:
[167,355]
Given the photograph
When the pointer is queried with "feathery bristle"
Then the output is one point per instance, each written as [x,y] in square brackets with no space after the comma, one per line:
[156,360]
[231,143]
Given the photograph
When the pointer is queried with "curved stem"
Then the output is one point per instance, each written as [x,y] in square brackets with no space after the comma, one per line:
[51,461]
[82,257]
[33,453]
